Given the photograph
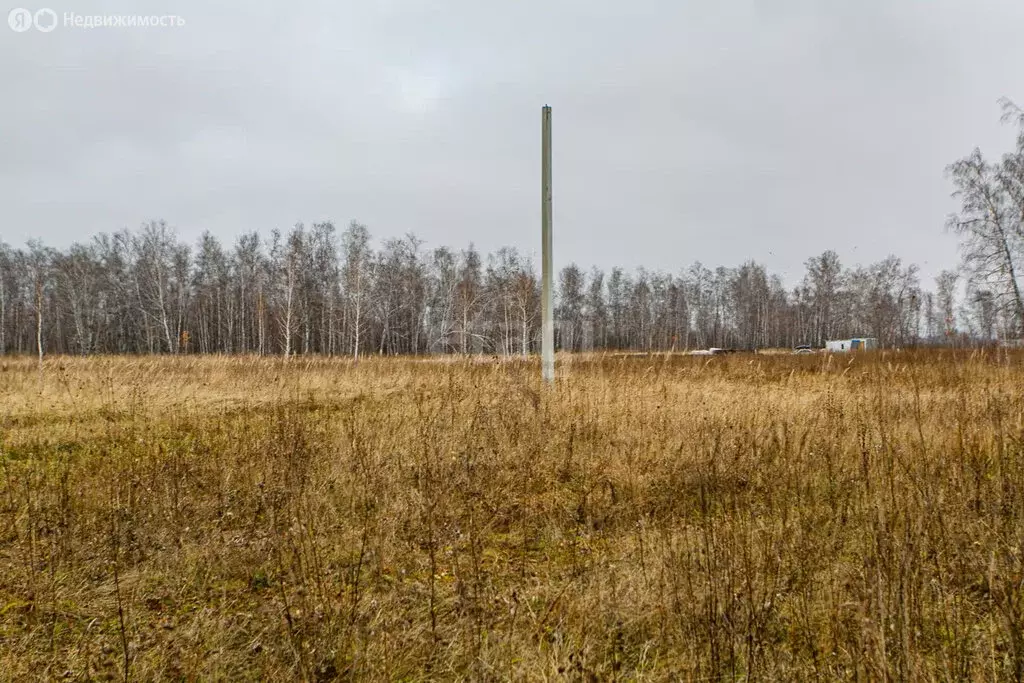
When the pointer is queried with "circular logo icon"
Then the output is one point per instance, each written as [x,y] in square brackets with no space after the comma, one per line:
[46,20]
[19,19]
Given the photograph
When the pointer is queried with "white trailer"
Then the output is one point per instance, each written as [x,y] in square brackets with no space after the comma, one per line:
[854,344]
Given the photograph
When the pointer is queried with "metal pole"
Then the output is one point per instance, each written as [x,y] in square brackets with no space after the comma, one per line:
[547,290]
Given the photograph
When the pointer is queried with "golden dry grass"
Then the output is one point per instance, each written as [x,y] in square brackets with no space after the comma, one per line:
[649,518]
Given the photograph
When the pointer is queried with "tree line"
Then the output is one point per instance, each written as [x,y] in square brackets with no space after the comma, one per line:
[315,290]
[319,290]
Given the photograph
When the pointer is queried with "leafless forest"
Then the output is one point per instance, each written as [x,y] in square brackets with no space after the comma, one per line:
[315,289]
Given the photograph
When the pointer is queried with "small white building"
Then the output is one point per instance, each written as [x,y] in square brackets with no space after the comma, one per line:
[855,344]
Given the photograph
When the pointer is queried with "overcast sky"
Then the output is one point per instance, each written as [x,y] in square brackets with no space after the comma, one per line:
[715,130]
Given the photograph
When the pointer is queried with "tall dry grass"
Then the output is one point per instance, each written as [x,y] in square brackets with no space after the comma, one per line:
[646,519]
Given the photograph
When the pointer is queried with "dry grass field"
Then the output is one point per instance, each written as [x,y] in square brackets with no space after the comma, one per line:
[648,518]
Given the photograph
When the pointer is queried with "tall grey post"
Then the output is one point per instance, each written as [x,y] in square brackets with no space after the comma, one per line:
[546,294]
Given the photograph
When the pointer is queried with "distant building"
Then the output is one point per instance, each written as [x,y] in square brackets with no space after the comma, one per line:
[855,344]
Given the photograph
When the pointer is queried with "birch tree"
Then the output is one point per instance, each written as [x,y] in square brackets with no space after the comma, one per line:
[991,220]
[357,254]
